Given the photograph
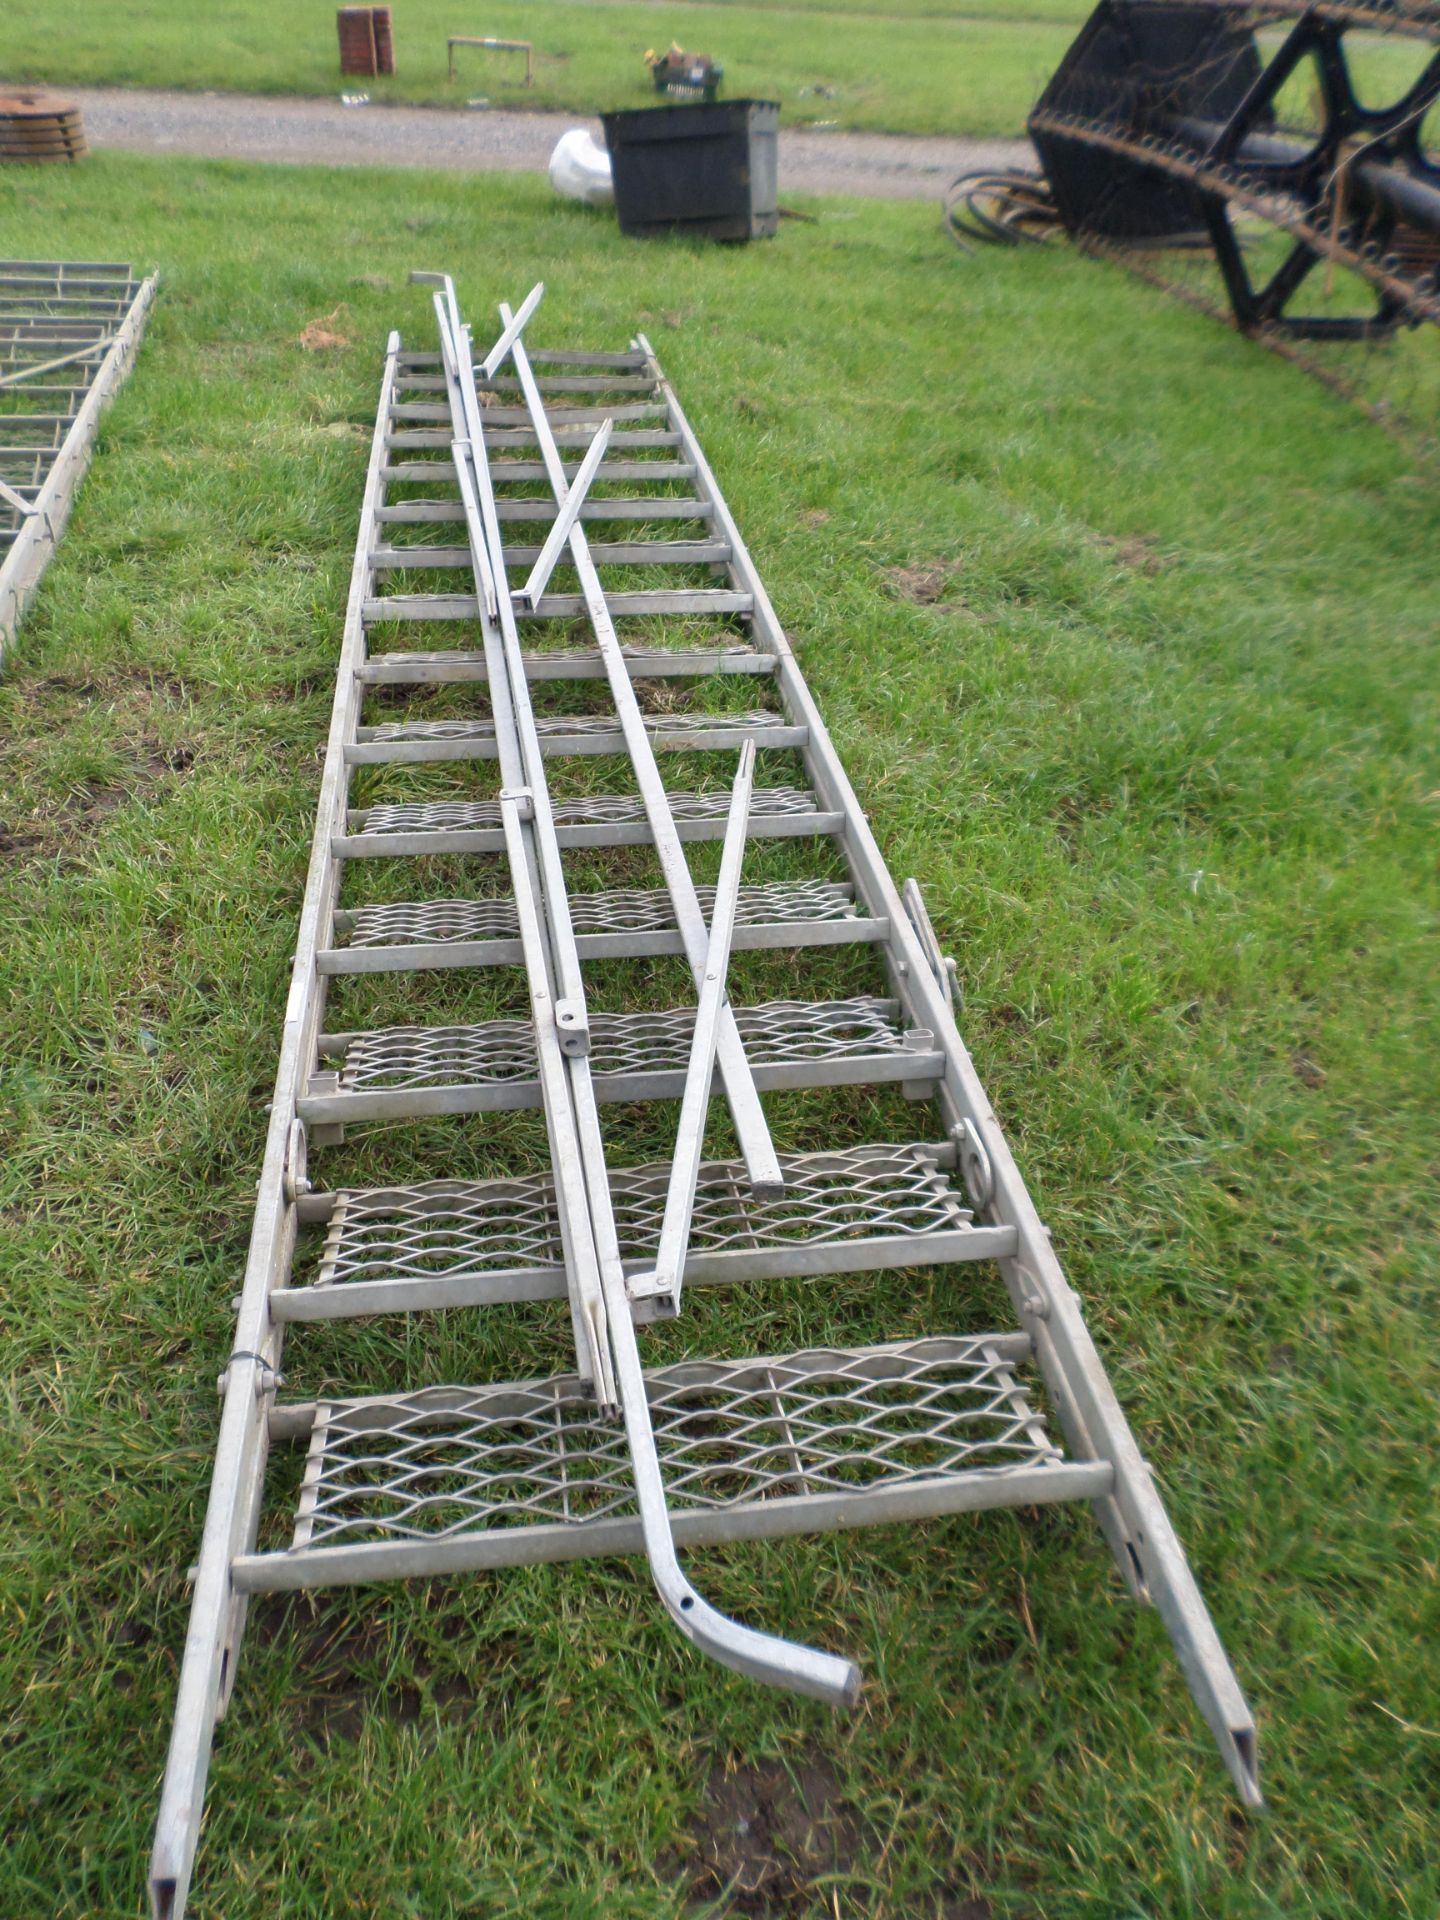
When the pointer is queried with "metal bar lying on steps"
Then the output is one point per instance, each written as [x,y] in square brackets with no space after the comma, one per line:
[760,1655]
[666,1280]
[534,857]
[581,1264]
[17,500]
[23,375]
[527,598]
[753,1133]
[514,327]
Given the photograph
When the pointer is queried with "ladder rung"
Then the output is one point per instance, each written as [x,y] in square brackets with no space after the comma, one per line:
[528,471]
[450,665]
[561,606]
[426,741]
[410,936]
[457,1478]
[605,553]
[571,415]
[479,1242]
[409,1072]
[501,438]
[661,507]
[572,383]
[416,829]
[626,359]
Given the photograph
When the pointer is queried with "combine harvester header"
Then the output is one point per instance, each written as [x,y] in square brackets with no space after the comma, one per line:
[1172,123]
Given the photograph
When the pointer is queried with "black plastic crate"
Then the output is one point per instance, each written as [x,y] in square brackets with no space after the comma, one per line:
[710,168]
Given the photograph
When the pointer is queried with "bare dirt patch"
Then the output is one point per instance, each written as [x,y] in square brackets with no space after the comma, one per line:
[923,584]
[767,1832]
[321,336]
[60,829]
[1136,551]
[346,1675]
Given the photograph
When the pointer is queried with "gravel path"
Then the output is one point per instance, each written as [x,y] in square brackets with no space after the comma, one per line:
[228,126]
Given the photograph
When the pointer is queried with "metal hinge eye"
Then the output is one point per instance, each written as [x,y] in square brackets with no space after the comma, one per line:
[975,1168]
[947,974]
[297,1178]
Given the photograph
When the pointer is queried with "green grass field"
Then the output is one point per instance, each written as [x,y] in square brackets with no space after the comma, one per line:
[913,71]
[919,67]
[1160,744]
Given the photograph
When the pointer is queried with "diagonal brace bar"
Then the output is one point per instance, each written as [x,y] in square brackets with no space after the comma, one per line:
[495,359]
[35,367]
[527,598]
[18,501]
[753,1133]
[665,1282]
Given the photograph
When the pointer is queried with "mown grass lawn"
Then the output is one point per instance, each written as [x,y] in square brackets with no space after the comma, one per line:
[1126,632]
[917,68]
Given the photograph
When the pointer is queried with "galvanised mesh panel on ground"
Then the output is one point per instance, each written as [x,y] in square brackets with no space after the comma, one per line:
[452,1460]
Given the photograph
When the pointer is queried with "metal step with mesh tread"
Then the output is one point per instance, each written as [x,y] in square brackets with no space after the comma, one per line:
[605,553]
[502,439]
[397,937]
[644,602]
[417,742]
[480,1242]
[452,1478]
[457,665]
[404,1072]
[527,472]
[411,828]
[614,507]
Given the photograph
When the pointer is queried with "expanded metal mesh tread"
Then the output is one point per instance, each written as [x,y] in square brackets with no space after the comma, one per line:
[451,1460]
[596,809]
[449,666]
[580,726]
[625,1043]
[623,910]
[447,1228]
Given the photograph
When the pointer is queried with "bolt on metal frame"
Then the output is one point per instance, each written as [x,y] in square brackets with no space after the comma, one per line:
[615,1458]
[69,331]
